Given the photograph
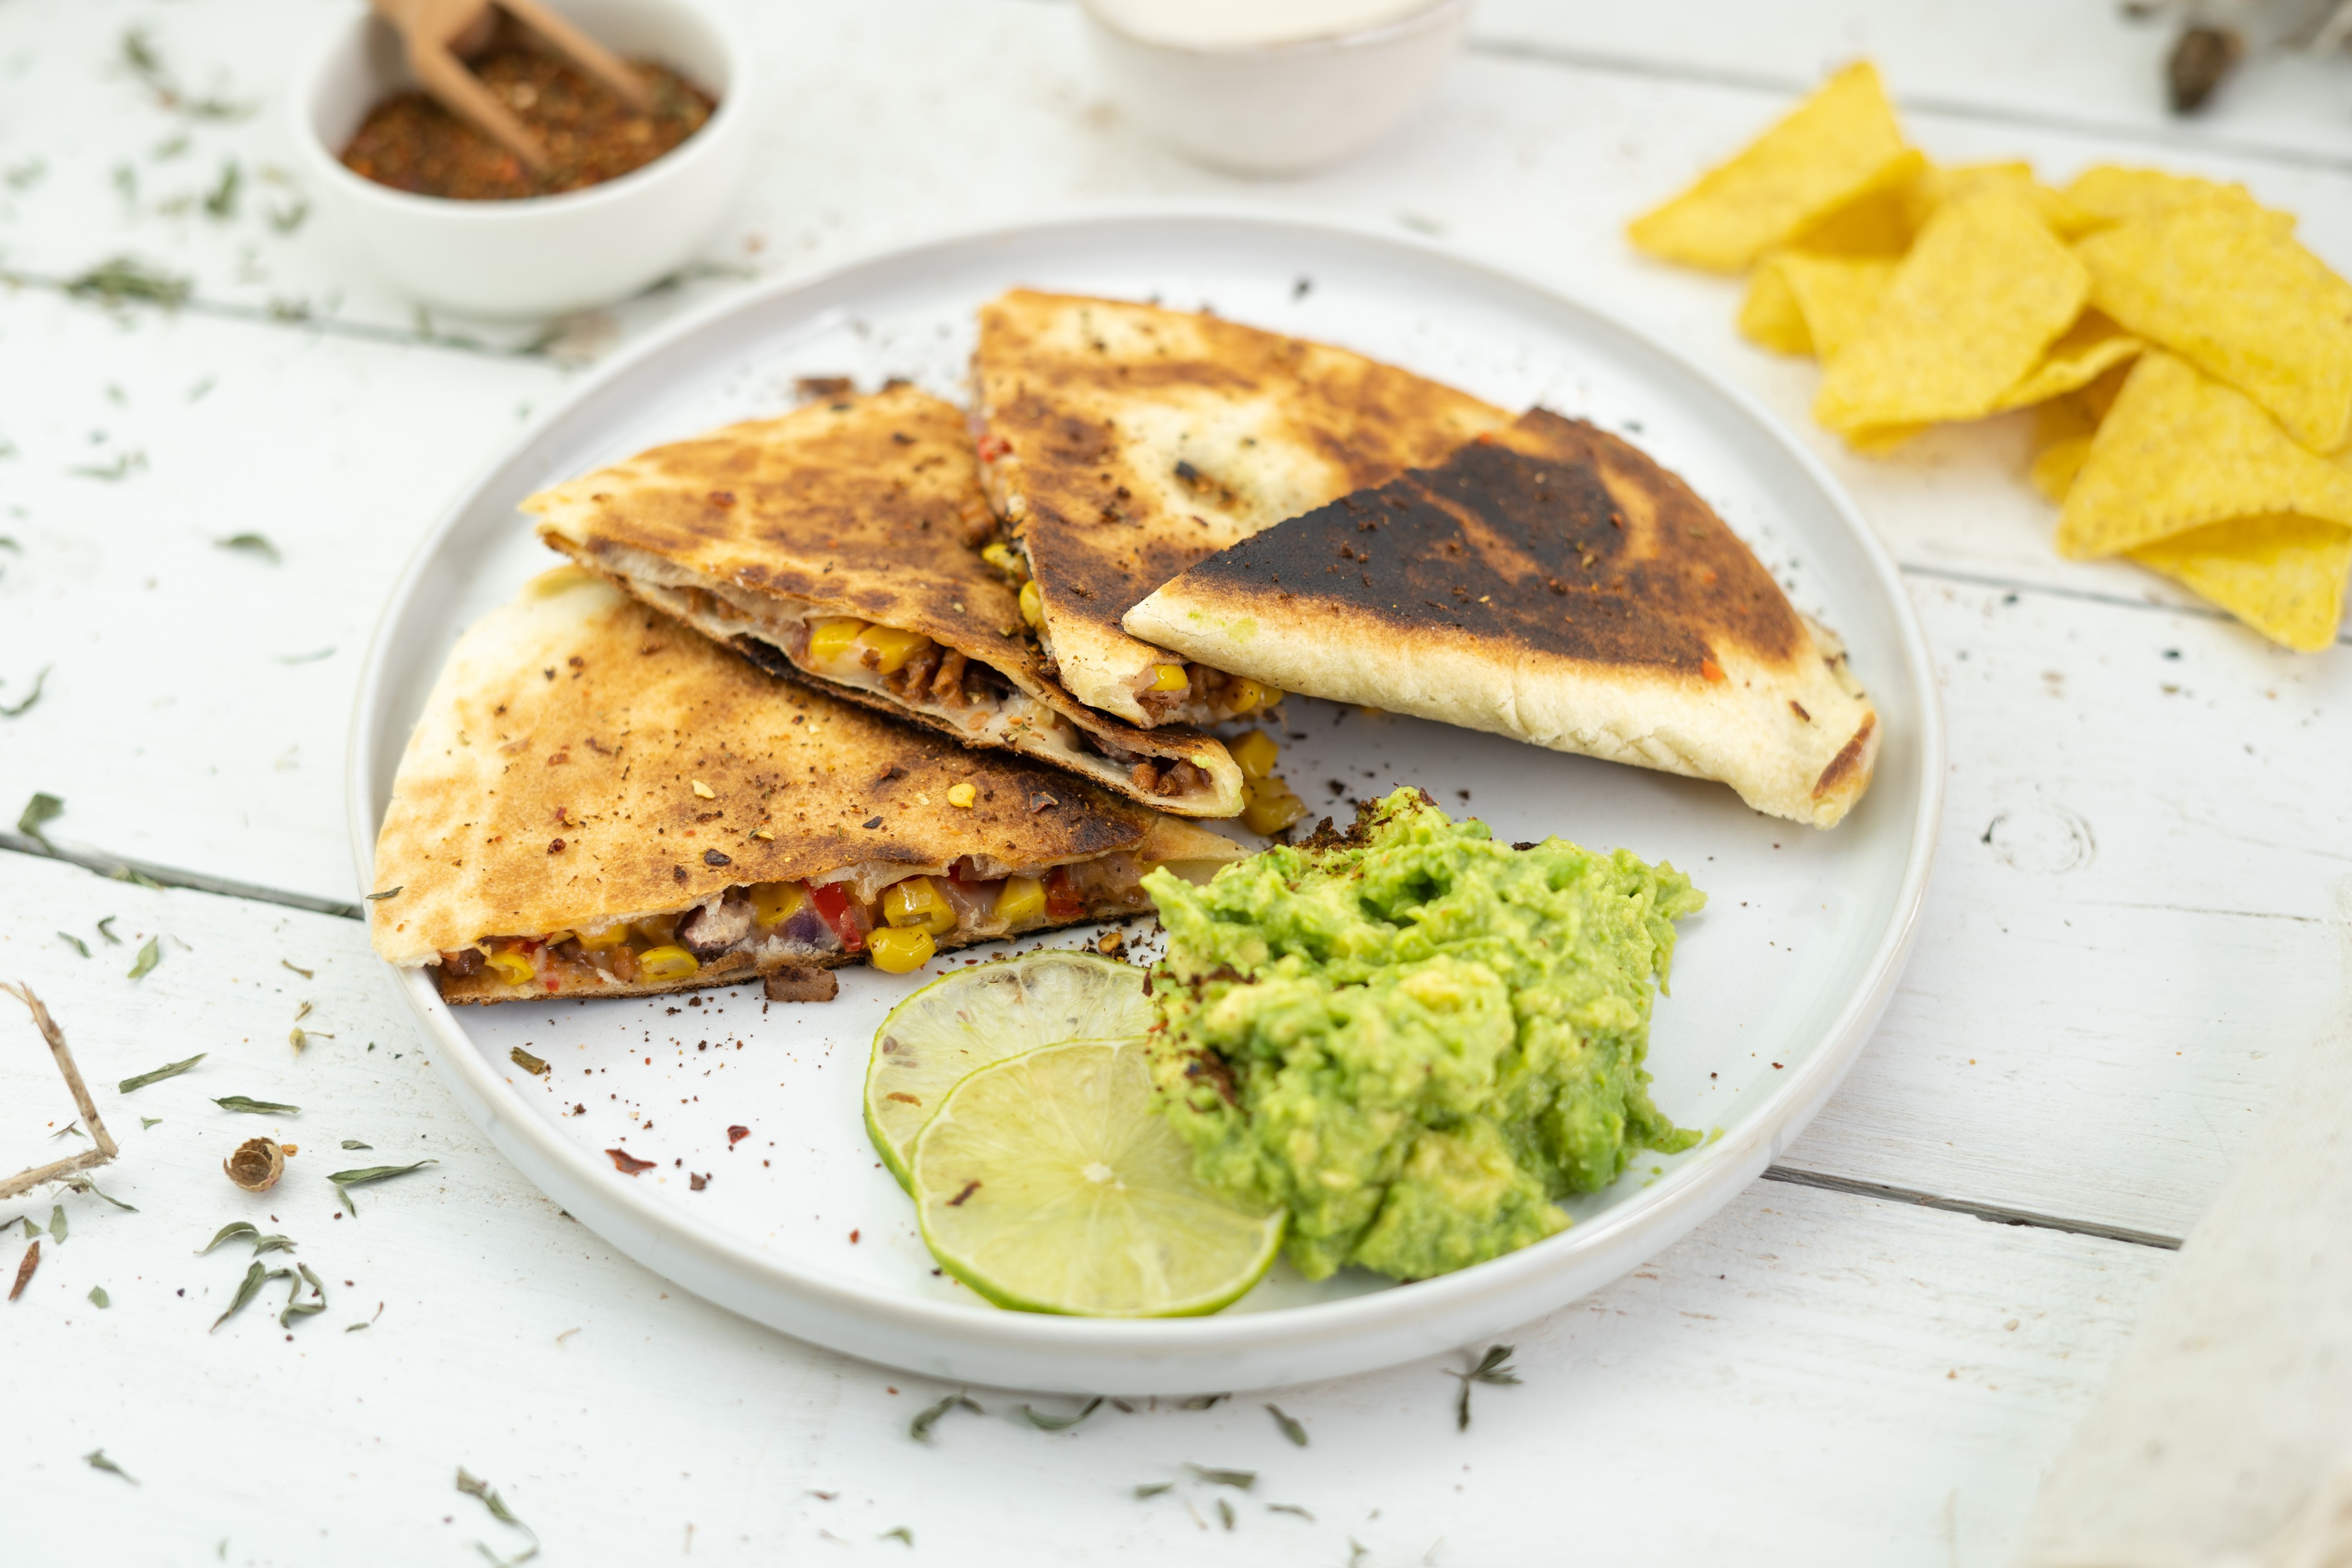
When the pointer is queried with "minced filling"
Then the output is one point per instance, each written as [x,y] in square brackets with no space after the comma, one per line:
[755,927]
[912,670]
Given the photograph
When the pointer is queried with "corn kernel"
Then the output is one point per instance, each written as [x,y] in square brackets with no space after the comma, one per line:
[703,791]
[1004,559]
[829,640]
[1033,609]
[892,646]
[918,903]
[1169,678]
[1255,752]
[1021,899]
[773,903]
[898,948]
[1268,806]
[1247,696]
[514,967]
[612,935]
[962,795]
[667,964]
[657,929]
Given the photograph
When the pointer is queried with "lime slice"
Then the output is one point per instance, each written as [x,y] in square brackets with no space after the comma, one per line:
[976,1016]
[1052,1183]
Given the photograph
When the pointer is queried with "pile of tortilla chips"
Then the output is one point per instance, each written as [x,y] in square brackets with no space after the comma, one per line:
[2189,363]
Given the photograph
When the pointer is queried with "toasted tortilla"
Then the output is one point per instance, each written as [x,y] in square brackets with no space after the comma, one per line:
[584,764]
[1121,444]
[1549,582]
[864,508]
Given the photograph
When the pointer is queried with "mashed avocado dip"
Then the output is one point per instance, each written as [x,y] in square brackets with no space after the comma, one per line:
[1413,1037]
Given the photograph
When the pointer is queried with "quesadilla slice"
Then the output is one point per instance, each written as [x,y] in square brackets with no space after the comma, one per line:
[1548,582]
[600,802]
[1120,443]
[836,544]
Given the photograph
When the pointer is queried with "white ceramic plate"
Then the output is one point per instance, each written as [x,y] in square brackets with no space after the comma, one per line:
[1776,985]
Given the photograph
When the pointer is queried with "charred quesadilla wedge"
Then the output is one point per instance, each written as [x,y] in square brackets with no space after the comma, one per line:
[1552,583]
[599,801]
[1122,442]
[836,544]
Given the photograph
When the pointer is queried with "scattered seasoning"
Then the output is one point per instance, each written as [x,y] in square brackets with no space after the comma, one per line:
[251,544]
[1225,1512]
[410,142]
[98,1297]
[96,1460]
[527,1063]
[1241,1479]
[920,1429]
[220,202]
[1290,1507]
[111,939]
[387,892]
[1060,1422]
[257,1107]
[42,809]
[1291,1428]
[1490,1369]
[628,1164]
[1203,1401]
[38,682]
[149,957]
[77,944]
[355,1143]
[32,1260]
[139,54]
[474,1486]
[147,1122]
[1153,1488]
[161,1074]
[345,1180]
[901,1533]
[257,1164]
[125,277]
[737,1134]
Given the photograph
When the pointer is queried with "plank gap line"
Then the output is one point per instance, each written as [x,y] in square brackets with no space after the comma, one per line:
[1990,1213]
[2082,595]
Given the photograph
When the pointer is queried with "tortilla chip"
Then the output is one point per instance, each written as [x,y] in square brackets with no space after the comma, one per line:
[2112,193]
[2180,451]
[1771,314]
[1813,304]
[1839,145]
[2057,464]
[1966,316]
[2242,301]
[1937,187]
[2083,352]
[1880,221]
[2283,576]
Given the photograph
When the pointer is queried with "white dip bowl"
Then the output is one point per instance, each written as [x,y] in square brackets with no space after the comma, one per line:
[1228,86]
[541,256]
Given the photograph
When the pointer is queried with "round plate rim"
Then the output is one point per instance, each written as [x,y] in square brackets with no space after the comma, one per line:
[1181,1355]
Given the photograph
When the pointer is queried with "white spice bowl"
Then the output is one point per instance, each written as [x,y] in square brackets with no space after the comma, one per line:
[1282,109]
[540,256]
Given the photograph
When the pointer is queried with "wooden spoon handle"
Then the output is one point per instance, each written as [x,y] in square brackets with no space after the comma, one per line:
[584,51]
[462,93]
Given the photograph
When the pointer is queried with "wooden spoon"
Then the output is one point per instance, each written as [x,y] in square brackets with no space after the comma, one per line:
[438,33]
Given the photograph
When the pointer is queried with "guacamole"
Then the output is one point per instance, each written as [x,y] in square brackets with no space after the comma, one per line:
[1414,1038]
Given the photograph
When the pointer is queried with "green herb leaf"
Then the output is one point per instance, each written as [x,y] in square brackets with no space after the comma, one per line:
[147,1122]
[273,1242]
[111,939]
[1290,1507]
[136,878]
[286,220]
[355,1143]
[353,1328]
[920,1429]
[295,1306]
[96,1460]
[83,1184]
[221,201]
[98,1297]
[230,1232]
[252,544]
[901,1533]
[259,1107]
[256,1276]
[35,696]
[32,1231]
[161,1074]
[1153,1488]
[1243,1479]
[73,1127]
[1204,1401]
[57,1223]
[1291,1428]
[125,464]
[1060,1422]
[1225,1512]
[1490,1369]
[474,1486]
[77,944]
[387,892]
[1357,1551]
[42,809]
[149,955]
[527,1062]
[346,1180]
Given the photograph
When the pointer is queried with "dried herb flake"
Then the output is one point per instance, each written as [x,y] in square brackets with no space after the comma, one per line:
[124,277]
[355,1143]
[30,1261]
[230,1232]
[295,1306]
[256,1276]
[1225,1512]
[161,1074]
[83,1184]
[1060,1422]
[1204,1401]
[1490,1369]
[1290,1507]
[31,697]
[901,1533]
[527,1062]
[98,1297]
[149,955]
[257,1107]
[111,939]
[474,1486]
[1291,1428]
[42,809]
[252,544]
[1153,1488]
[96,1460]
[920,1429]
[76,943]
[1243,1480]
[345,1180]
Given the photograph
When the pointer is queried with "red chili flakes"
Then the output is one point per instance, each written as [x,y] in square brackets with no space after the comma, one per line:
[969,1188]
[411,143]
[723,498]
[737,1134]
[1711,670]
[696,1182]
[853,1239]
[555,846]
[991,447]
[628,1164]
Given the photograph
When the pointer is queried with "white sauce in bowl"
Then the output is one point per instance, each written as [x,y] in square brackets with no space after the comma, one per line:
[1248,24]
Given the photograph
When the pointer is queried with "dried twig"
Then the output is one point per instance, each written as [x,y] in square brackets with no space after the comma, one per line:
[88,1159]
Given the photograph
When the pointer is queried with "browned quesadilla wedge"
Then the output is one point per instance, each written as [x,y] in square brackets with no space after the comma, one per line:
[599,801]
[1548,582]
[1122,442]
[835,544]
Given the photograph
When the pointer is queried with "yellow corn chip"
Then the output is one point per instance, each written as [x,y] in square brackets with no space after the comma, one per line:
[1771,314]
[1965,315]
[1937,186]
[2282,576]
[1879,221]
[2242,301]
[2055,466]
[1841,144]
[1800,303]
[2180,451]
[2082,353]
[2112,193]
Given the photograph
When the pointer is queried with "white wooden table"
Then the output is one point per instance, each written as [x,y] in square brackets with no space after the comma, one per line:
[1871,1359]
